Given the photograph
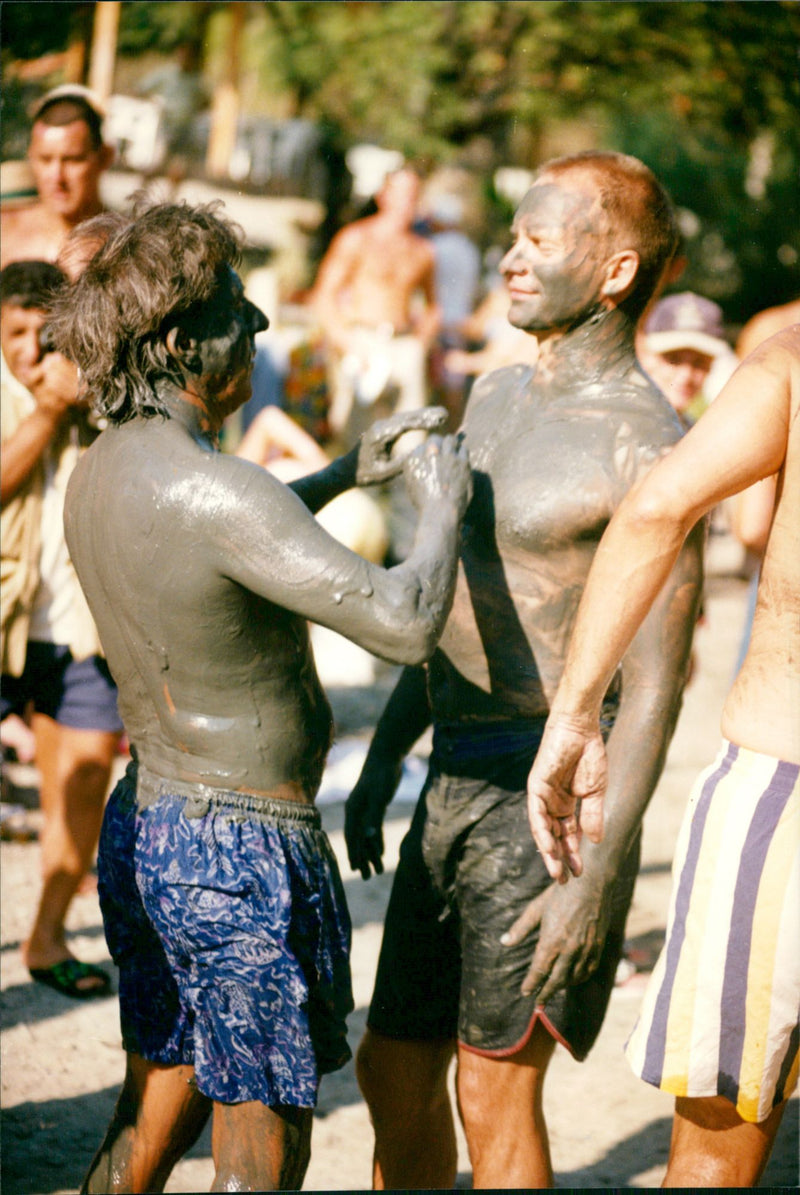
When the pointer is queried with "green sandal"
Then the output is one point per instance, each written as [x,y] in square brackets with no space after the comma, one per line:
[66,977]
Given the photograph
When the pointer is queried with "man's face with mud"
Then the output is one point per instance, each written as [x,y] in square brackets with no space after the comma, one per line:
[554,269]
[223,332]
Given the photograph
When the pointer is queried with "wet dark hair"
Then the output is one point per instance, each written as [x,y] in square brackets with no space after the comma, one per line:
[30,284]
[639,211]
[63,110]
[146,278]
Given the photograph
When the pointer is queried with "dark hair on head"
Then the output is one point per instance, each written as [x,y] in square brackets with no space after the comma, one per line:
[30,284]
[65,110]
[639,212]
[145,279]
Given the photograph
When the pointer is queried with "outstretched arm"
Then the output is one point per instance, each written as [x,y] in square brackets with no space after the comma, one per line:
[266,541]
[741,439]
[405,717]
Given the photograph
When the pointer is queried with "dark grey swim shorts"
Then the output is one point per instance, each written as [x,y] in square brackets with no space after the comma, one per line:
[468,867]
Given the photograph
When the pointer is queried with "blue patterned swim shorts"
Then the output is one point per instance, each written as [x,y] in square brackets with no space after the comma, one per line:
[227,919]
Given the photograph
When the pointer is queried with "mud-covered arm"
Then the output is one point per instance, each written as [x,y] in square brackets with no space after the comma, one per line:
[370,461]
[263,538]
[405,717]
[574,918]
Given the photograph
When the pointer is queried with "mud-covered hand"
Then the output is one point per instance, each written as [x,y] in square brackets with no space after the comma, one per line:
[364,812]
[374,450]
[439,469]
[573,921]
[566,787]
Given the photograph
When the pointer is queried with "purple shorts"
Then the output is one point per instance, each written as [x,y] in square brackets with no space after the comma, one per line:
[227,919]
[79,694]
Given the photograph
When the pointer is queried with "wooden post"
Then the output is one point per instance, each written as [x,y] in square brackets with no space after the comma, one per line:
[104,47]
[225,105]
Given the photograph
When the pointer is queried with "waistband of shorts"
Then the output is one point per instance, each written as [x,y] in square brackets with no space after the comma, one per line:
[200,799]
[462,742]
[738,754]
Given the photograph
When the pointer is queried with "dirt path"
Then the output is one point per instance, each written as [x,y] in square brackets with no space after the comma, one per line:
[62,1062]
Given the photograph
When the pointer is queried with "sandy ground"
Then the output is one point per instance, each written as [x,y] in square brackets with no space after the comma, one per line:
[62,1062]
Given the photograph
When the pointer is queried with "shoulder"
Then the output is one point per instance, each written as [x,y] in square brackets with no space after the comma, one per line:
[776,360]
[499,384]
[422,248]
[26,233]
[765,324]
[351,236]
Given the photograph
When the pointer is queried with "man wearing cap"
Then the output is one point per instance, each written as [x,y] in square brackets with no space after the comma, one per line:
[67,156]
[680,342]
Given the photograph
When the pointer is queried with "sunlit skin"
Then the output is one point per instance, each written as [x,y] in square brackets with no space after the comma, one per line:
[375,266]
[67,169]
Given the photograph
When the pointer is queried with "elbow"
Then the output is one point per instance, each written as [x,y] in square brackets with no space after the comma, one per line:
[412,641]
[423,646]
[654,513]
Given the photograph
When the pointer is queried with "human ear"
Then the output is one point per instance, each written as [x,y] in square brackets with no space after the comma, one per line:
[183,348]
[621,270]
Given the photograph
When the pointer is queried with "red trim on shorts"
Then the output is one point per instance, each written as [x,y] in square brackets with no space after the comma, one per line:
[538,1015]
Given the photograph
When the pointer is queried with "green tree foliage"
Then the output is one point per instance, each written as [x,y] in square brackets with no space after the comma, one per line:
[705,91]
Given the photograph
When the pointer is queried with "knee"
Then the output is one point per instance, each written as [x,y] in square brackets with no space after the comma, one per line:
[471,1093]
[372,1070]
[402,1077]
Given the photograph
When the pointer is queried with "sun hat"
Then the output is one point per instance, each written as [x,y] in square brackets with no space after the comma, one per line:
[69,91]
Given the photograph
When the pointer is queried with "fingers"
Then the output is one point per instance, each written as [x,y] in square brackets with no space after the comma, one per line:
[365,851]
[373,845]
[558,840]
[527,921]
[427,419]
[591,818]
[544,985]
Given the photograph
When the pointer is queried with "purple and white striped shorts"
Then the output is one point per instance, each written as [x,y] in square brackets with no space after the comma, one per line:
[720,1014]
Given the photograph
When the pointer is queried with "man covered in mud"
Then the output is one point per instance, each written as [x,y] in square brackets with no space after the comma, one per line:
[554,448]
[221,900]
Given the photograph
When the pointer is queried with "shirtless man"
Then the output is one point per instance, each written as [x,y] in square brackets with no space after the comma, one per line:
[554,448]
[67,157]
[764,324]
[364,297]
[221,901]
[719,1025]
